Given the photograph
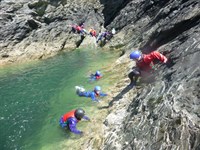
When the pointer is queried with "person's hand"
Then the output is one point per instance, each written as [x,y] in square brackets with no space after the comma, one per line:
[165,60]
[169,63]
[82,133]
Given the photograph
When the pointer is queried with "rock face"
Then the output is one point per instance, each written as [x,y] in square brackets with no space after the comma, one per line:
[164,114]
[37,29]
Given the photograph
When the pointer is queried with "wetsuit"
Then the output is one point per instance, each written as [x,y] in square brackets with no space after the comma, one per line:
[70,121]
[93,95]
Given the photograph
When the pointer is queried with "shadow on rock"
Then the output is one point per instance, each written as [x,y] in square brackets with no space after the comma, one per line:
[117,97]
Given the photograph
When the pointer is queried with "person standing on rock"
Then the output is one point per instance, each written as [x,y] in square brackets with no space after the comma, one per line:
[70,120]
[144,64]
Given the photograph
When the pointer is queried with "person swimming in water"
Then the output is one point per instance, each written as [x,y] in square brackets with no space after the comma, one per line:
[71,118]
[92,94]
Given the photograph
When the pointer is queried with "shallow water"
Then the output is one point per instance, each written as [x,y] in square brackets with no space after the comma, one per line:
[33,96]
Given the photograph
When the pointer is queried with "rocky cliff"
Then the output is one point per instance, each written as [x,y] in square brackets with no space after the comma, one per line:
[161,114]
[35,29]
[164,114]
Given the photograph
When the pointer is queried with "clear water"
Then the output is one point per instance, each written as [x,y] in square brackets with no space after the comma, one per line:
[34,96]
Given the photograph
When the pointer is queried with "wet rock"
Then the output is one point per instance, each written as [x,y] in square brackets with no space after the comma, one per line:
[164,112]
[5,55]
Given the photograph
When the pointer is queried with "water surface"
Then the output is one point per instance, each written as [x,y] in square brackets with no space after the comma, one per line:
[33,96]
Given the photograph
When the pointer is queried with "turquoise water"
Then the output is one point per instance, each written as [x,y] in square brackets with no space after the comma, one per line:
[34,96]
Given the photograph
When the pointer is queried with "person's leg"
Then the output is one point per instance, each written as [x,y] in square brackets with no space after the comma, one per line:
[73,30]
[133,76]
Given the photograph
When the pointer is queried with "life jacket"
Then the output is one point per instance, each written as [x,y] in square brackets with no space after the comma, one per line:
[94,33]
[68,115]
[98,77]
[78,28]
[96,94]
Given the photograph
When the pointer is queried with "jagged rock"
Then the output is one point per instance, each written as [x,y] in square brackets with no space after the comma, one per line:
[89,42]
[164,114]
[43,22]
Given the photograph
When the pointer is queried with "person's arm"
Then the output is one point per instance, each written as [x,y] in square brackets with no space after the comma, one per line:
[86,118]
[72,126]
[103,94]
[159,56]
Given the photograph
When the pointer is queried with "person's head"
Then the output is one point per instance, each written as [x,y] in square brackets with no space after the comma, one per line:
[98,73]
[97,89]
[79,113]
[136,55]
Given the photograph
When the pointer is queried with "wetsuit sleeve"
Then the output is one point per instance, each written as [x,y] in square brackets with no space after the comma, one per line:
[86,118]
[159,56]
[103,94]
[72,126]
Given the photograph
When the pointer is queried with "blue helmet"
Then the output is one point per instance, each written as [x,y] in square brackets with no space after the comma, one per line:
[135,54]
[98,73]
[97,88]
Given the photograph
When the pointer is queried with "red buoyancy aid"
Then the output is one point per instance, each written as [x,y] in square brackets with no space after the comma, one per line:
[78,28]
[98,77]
[94,33]
[147,61]
[69,115]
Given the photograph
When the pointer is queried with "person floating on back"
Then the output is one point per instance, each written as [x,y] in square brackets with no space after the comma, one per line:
[92,94]
[144,64]
[70,120]
[95,76]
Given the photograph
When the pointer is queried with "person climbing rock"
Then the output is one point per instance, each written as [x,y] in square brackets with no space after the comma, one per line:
[79,29]
[70,120]
[144,64]
[92,32]
[102,35]
[92,94]
[74,28]
[95,76]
